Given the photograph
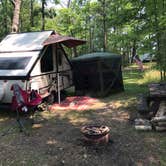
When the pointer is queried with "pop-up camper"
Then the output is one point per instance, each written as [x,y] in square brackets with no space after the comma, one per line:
[35,60]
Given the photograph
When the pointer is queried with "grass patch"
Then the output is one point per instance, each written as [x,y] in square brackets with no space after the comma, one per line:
[162,150]
[136,81]
[150,76]
[131,82]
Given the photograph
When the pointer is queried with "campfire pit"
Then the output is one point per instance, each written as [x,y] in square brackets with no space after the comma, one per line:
[96,134]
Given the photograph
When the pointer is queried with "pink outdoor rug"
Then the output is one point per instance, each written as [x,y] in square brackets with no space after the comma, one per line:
[79,103]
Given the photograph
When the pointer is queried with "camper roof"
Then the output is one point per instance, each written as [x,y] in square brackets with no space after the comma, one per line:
[18,52]
[30,41]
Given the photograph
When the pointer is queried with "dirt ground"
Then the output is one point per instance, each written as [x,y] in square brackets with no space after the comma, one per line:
[55,138]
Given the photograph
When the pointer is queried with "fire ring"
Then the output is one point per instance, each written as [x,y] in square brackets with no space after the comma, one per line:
[96,134]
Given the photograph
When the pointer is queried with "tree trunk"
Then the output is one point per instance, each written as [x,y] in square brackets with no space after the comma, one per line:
[160,55]
[90,34]
[75,52]
[31,13]
[16,14]
[43,15]
[133,50]
[105,34]
[5,20]
[5,17]
[68,3]
[90,39]
[104,27]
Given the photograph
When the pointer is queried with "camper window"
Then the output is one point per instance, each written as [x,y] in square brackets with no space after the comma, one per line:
[47,61]
[13,63]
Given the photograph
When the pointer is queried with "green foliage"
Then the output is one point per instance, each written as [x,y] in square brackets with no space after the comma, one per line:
[5,17]
[126,27]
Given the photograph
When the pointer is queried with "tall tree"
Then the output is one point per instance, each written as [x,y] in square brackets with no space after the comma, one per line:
[103,9]
[31,13]
[4,10]
[68,3]
[43,14]
[16,13]
[44,3]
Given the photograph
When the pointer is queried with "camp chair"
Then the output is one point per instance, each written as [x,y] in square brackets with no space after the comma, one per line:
[24,102]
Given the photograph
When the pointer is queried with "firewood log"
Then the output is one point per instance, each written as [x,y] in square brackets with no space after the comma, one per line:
[159,128]
[143,127]
[142,105]
[142,122]
[162,109]
[158,89]
[154,106]
[162,124]
[159,119]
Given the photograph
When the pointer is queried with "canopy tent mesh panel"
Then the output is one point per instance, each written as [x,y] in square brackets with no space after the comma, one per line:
[98,74]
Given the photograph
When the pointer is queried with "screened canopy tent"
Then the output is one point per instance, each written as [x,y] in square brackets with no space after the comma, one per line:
[97,73]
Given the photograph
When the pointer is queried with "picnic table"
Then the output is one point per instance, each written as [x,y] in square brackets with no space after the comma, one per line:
[157,91]
[153,108]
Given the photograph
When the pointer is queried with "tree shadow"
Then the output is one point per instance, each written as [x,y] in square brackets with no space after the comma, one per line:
[58,140]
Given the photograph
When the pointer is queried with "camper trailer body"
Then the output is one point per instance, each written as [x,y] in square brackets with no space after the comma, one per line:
[26,61]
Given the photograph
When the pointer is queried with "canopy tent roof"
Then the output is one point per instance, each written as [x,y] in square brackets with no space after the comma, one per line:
[97,56]
[66,40]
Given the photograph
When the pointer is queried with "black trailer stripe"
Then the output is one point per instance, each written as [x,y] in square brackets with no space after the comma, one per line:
[14,77]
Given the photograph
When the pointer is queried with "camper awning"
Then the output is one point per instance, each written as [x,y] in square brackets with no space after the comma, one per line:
[66,40]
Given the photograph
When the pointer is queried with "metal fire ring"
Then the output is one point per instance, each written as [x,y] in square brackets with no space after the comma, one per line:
[96,133]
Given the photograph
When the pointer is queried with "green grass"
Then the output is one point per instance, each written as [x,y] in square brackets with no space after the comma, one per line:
[131,82]
[162,143]
[136,82]
[150,76]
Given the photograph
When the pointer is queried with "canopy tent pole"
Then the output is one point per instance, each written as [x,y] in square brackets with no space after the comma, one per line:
[59,93]
[57,77]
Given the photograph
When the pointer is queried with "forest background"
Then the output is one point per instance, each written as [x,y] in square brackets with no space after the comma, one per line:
[126,27]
